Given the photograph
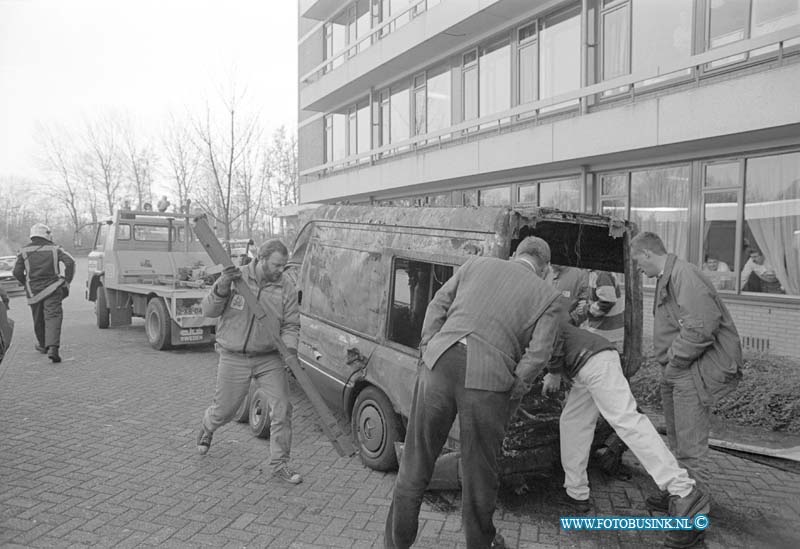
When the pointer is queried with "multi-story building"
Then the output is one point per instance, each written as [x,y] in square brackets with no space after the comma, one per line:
[681,115]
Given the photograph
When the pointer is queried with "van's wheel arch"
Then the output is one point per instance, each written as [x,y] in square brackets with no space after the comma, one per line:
[376,427]
[158,324]
[101,309]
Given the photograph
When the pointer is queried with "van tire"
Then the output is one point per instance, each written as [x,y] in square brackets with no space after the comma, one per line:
[158,324]
[259,414]
[243,413]
[376,427]
[101,309]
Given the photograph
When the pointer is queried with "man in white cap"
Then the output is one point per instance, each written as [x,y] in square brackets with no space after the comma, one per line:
[38,268]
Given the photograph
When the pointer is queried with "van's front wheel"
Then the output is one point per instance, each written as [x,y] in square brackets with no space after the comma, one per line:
[157,324]
[376,428]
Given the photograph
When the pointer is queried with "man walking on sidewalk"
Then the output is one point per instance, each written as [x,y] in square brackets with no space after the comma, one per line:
[245,350]
[38,269]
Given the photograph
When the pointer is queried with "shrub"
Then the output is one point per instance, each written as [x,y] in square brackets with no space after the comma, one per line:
[768,395]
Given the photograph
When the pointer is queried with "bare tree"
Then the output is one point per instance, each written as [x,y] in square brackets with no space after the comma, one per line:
[104,165]
[140,161]
[181,157]
[283,166]
[223,148]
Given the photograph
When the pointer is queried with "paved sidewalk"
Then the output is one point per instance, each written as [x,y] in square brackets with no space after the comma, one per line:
[100,451]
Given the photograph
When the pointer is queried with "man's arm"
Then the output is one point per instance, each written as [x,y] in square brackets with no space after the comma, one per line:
[290,327]
[436,313]
[69,264]
[19,270]
[541,345]
[699,319]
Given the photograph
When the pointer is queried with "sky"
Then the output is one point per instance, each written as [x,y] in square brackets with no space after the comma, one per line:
[65,61]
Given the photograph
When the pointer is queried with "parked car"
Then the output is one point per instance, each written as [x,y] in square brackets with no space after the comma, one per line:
[365,276]
[7,281]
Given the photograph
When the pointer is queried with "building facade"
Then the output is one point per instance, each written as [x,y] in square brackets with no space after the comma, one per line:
[680,115]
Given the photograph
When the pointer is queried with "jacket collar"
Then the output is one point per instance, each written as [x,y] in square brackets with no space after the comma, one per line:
[663,280]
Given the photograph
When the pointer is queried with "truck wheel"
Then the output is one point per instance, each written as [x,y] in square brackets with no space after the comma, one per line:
[157,324]
[376,427]
[259,414]
[101,309]
[243,413]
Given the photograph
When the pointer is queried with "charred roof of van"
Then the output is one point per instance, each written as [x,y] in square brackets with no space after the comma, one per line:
[576,239]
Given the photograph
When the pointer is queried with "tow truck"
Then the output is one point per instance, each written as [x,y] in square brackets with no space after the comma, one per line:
[150,265]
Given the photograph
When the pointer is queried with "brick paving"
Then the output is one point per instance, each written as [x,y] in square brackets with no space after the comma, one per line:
[100,451]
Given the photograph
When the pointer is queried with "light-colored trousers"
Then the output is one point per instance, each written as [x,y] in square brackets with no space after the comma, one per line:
[233,383]
[600,387]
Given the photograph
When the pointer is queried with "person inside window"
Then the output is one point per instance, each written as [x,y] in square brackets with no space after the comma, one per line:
[714,264]
[758,274]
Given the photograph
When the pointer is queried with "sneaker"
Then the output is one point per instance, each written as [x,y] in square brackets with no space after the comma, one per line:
[52,353]
[285,473]
[41,348]
[581,506]
[204,441]
[658,502]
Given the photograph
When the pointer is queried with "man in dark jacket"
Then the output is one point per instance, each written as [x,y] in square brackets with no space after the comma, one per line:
[487,334]
[38,269]
[592,364]
[695,340]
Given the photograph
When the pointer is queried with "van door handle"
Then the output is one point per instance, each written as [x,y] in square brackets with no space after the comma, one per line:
[315,352]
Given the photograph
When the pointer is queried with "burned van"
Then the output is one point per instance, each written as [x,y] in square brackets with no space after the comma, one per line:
[365,276]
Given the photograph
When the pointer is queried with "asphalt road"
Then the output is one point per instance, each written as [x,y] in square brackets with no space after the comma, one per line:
[100,451]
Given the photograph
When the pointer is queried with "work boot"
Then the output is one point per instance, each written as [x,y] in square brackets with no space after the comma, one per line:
[658,502]
[41,348]
[698,502]
[52,353]
[581,506]
[204,441]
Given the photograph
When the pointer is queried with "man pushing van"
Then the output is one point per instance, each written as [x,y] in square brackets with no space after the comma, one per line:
[487,334]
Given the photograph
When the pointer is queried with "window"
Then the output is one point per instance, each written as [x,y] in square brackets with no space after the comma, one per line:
[494,72]
[564,193]
[527,64]
[497,196]
[469,77]
[420,105]
[123,232]
[660,203]
[439,98]
[414,284]
[151,233]
[661,35]
[400,126]
[363,124]
[335,137]
[615,32]
[100,239]
[359,279]
[328,123]
[721,197]
[528,194]
[560,54]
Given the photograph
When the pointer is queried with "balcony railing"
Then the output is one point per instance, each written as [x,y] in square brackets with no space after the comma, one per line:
[580,99]
[349,51]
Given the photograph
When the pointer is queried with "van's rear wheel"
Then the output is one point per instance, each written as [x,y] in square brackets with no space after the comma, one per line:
[101,309]
[157,324]
[376,427]
[259,414]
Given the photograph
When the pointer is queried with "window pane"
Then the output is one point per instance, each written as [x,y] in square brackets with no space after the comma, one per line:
[527,194]
[352,133]
[498,196]
[495,79]
[439,98]
[400,111]
[415,283]
[419,111]
[772,15]
[728,21]
[614,208]
[339,132]
[564,194]
[328,138]
[470,93]
[660,203]
[149,232]
[722,175]
[363,128]
[614,184]
[469,198]
[719,238]
[362,23]
[662,33]
[615,43]
[772,224]
[560,56]
[527,59]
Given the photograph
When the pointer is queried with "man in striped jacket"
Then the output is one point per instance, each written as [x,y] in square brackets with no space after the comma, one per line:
[38,269]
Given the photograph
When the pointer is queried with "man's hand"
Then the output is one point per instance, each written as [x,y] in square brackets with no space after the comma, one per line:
[519,389]
[551,384]
[229,274]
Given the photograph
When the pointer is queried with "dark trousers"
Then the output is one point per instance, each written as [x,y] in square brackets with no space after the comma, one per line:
[47,316]
[438,396]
